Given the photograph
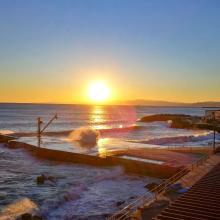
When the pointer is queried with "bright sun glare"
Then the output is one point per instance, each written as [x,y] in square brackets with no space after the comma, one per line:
[98,91]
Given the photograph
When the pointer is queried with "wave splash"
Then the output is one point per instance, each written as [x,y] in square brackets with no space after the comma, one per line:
[69,132]
[204,137]
[85,136]
[6,132]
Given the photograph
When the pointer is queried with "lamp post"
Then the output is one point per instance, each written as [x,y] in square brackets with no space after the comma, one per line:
[39,130]
[39,122]
[213,114]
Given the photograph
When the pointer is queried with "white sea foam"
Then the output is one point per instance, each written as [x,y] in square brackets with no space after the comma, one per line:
[82,191]
[85,135]
[199,138]
[79,192]
[6,132]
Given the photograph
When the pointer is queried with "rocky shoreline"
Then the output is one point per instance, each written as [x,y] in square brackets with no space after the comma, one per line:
[182,121]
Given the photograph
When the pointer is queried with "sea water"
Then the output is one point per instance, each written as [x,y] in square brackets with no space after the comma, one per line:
[80,191]
[117,124]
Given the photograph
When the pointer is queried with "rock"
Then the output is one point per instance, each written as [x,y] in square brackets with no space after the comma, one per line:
[51,178]
[160,204]
[181,121]
[70,197]
[132,197]
[217,150]
[40,179]
[66,198]
[120,203]
[36,217]
[106,215]
[151,186]
[165,117]
[26,216]
[176,186]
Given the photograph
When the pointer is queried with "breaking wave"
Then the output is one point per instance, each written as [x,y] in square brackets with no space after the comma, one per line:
[79,192]
[5,132]
[121,128]
[204,137]
[85,136]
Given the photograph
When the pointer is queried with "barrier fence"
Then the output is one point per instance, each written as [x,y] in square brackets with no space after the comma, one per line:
[148,198]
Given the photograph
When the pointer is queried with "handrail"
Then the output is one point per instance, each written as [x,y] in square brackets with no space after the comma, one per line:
[147,198]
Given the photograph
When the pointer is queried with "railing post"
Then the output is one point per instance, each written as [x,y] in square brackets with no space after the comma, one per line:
[143,202]
[129,213]
[155,195]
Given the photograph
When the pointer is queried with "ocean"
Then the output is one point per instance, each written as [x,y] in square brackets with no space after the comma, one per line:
[81,191]
[117,124]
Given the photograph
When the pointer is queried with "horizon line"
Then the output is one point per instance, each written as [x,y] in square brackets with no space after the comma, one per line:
[175,104]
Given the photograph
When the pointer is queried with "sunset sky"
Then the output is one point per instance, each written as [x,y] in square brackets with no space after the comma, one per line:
[54,50]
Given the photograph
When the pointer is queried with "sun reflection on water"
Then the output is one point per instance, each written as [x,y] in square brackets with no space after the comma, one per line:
[102,150]
[98,117]
[111,123]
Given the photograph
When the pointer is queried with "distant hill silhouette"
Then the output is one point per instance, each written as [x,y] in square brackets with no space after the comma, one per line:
[206,104]
[166,103]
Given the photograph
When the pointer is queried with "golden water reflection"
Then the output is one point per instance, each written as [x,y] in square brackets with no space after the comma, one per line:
[102,150]
[110,146]
[97,117]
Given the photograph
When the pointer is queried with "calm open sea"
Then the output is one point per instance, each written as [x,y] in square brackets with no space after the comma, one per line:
[83,192]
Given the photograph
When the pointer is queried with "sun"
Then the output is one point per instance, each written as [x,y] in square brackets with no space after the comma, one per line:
[98,91]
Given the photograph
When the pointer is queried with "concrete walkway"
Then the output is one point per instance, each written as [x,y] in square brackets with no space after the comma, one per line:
[195,175]
[188,180]
[202,200]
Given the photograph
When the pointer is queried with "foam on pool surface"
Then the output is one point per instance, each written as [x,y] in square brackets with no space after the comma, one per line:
[142,159]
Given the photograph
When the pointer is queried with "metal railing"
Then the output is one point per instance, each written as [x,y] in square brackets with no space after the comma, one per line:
[190,149]
[149,198]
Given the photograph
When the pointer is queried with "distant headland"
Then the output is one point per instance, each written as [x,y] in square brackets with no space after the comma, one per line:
[173,104]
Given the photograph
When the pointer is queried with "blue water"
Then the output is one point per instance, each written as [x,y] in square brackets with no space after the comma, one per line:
[23,118]
[79,191]
[92,192]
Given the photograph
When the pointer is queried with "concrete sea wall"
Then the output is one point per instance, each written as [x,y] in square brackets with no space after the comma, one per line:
[130,166]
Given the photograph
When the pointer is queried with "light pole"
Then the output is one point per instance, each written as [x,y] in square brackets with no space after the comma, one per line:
[39,130]
[39,122]
[214,131]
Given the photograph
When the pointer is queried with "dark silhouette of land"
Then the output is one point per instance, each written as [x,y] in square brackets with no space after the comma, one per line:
[171,104]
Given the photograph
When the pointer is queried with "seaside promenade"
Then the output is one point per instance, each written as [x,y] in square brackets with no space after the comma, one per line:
[148,207]
[202,200]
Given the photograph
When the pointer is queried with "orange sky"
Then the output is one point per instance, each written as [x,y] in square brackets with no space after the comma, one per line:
[75,89]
